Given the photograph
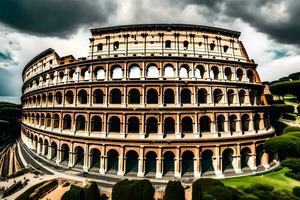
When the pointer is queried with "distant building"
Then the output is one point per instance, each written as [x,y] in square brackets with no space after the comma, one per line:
[153,100]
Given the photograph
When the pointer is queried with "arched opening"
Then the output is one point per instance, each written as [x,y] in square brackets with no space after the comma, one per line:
[199,72]
[267,121]
[215,72]
[245,157]
[67,122]
[239,74]
[37,118]
[168,164]
[250,76]
[112,161]
[232,123]
[202,96]
[187,163]
[151,126]
[58,98]
[245,122]
[96,124]
[80,123]
[185,44]
[53,151]
[242,95]
[133,125]
[185,96]
[134,72]
[252,97]
[99,73]
[44,99]
[95,159]
[256,121]
[116,72]
[50,98]
[152,96]
[228,74]
[207,162]
[227,159]
[169,125]
[56,121]
[134,96]
[42,119]
[205,124]
[69,97]
[46,146]
[169,71]
[82,97]
[115,96]
[187,125]
[259,155]
[230,96]
[114,124]
[258,98]
[65,154]
[131,162]
[36,143]
[217,96]
[72,76]
[184,71]
[79,157]
[221,123]
[168,44]
[150,164]
[40,145]
[85,74]
[169,96]
[48,120]
[98,97]
[116,45]
[152,71]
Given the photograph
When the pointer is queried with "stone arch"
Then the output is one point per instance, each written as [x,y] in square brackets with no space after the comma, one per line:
[115,96]
[242,95]
[187,125]
[80,123]
[259,154]
[134,96]
[69,97]
[98,96]
[205,124]
[116,72]
[95,159]
[169,125]
[150,163]
[133,125]
[134,71]
[50,98]
[267,121]
[232,123]
[250,76]
[218,95]
[245,119]
[85,74]
[152,96]
[227,160]
[169,163]
[184,71]
[112,161]
[202,96]
[46,146]
[67,122]
[56,121]
[58,97]
[168,71]
[65,151]
[114,124]
[48,120]
[185,96]
[169,97]
[131,161]
[256,122]
[240,74]
[207,162]
[79,157]
[82,97]
[96,124]
[44,98]
[221,123]
[99,73]
[40,145]
[71,75]
[168,44]
[200,71]
[245,157]
[151,125]
[252,97]
[230,96]
[215,72]
[228,73]
[187,162]
[53,150]
[152,71]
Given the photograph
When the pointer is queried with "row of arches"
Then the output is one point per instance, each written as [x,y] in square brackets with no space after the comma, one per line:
[152,71]
[133,162]
[134,124]
[152,96]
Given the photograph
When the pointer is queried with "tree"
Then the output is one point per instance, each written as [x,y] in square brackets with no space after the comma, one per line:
[284,145]
[91,192]
[174,191]
[293,164]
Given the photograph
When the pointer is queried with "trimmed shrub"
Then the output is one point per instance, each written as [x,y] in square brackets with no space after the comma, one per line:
[296,191]
[291,129]
[292,175]
[285,145]
[206,187]
[293,164]
[289,116]
[249,197]
[133,190]
[285,195]
[174,191]
[75,193]
[91,192]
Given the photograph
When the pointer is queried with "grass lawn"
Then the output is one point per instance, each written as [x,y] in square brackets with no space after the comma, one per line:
[274,178]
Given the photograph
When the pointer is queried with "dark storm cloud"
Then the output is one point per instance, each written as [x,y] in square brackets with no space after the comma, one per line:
[7,86]
[264,15]
[53,17]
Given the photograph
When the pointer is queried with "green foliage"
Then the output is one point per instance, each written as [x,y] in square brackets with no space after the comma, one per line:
[91,192]
[75,193]
[291,129]
[285,195]
[289,116]
[133,190]
[174,191]
[286,87]
[11,113]
[295,76]
[292,175]
[293,164]
[296,191]
[278,109]
[284,79]
[261,191]
[206,187]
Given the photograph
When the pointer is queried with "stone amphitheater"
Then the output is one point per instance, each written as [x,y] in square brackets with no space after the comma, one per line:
[150,100]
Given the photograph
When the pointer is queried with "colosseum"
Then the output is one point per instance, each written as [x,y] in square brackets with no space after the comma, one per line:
[149,100]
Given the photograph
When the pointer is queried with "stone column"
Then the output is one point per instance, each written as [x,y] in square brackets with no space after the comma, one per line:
[103,164]
[177,161]
[159,164]
[58,156]
[71,158]
[141,171]
[121,163]
[217,162]
[237,160]
[178,130]
[196,132]
[265,160]
[197,163]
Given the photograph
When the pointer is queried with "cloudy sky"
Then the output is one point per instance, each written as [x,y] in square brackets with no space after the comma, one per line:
[270,29]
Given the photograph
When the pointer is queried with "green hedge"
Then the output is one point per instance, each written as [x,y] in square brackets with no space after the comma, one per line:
[174,191]
[133,190]
[292,175]
[286,87]
[289,116]
[296,191]
[293,164]
[291,129]
[89,192]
